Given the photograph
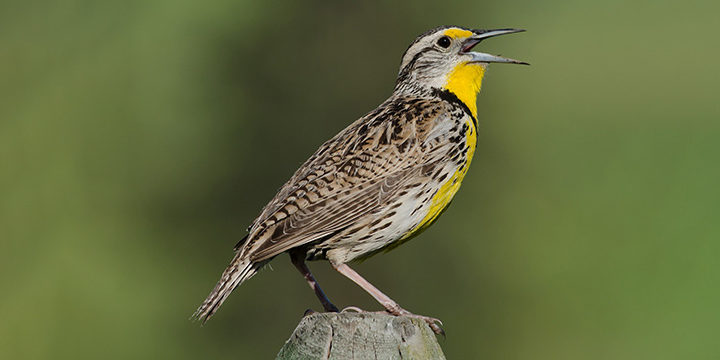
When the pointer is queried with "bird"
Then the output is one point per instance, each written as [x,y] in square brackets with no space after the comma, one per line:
[383,179]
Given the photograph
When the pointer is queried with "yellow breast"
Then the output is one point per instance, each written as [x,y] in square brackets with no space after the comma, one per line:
[449,188]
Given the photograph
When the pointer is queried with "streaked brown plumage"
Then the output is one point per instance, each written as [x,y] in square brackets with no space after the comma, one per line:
[379,181]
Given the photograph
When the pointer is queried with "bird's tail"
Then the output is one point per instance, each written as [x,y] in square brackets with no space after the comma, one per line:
[239,270]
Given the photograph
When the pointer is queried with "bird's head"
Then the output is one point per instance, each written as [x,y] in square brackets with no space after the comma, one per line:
[442,58]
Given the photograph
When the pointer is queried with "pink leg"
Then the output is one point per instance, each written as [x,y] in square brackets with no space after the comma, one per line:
[299,263]
[389,304]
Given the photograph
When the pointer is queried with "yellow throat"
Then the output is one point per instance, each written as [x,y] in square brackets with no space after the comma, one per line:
[465,82]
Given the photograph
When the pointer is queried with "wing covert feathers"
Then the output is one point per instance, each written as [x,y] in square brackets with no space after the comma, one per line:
[349,176]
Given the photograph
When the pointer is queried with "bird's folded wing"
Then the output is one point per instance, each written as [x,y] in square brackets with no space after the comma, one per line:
[332,216]
[350,176]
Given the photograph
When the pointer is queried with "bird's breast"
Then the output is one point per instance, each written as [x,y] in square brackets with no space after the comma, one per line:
[449,187]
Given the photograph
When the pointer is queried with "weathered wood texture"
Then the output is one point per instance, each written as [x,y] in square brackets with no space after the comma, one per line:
[351,335]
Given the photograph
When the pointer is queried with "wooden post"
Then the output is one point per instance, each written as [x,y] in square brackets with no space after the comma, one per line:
[366,335]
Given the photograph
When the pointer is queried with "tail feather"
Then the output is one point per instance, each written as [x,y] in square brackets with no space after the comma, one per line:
[239,270]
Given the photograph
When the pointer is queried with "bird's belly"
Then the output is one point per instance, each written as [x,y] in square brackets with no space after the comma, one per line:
[383,229]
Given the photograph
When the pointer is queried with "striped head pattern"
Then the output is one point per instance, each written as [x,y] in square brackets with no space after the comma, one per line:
[442,59]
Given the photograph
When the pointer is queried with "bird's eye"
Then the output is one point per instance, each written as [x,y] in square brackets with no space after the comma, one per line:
[444,42]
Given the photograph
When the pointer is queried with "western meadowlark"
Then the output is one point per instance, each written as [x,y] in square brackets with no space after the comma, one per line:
[381,180]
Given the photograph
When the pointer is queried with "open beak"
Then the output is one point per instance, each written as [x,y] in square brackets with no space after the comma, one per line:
[481,35]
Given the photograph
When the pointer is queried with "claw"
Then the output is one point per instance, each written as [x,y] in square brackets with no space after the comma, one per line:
[437,329]
[352,308]
[435,324]
[431,321]
[308,312]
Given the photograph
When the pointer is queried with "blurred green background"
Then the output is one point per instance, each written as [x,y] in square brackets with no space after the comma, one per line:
[138,139]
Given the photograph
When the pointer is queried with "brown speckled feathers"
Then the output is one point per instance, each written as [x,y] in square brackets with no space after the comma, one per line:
[351,176]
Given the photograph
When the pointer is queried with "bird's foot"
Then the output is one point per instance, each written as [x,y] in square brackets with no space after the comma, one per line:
[434,323]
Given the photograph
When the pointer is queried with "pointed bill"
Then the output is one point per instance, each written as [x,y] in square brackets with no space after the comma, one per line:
[484,34]
[481,35]
[487,58]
